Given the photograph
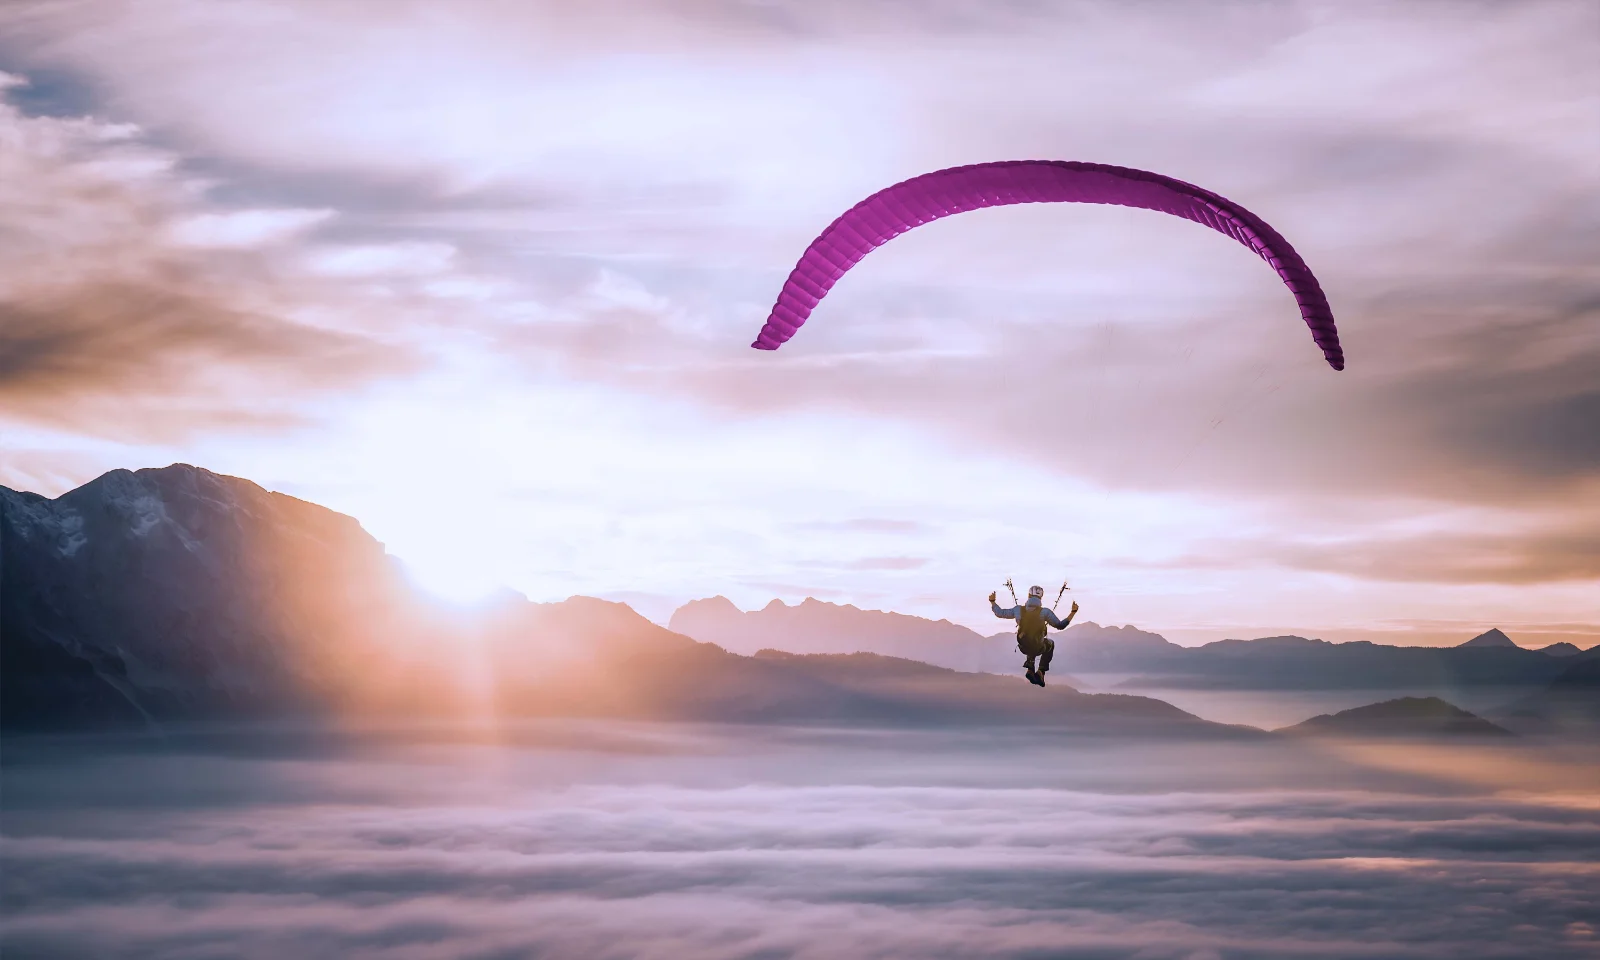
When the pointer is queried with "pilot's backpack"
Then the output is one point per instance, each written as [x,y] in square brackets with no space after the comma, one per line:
[1031,629]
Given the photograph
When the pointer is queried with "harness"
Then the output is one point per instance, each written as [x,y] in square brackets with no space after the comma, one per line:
[1031,629]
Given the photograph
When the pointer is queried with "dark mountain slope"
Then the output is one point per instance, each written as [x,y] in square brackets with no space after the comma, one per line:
[1561,649]
[1405,717]
[937,695]
[1571,702]
[186,593]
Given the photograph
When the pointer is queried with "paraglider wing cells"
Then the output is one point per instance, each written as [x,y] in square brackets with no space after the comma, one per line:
[911,203]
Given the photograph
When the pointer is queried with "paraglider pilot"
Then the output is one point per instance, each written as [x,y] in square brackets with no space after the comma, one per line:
[1033,619]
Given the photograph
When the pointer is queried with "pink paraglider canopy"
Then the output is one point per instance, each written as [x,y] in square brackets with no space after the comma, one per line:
[911,203]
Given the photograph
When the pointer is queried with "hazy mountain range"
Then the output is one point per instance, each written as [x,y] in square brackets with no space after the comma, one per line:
[1131,657]
[1552,688]
[177,594]
[814,626]
[1406,716]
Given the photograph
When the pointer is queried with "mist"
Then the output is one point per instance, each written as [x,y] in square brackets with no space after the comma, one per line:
[610,839]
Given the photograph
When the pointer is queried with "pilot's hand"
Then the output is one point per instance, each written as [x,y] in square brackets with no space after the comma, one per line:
[991,596]
[1074,607]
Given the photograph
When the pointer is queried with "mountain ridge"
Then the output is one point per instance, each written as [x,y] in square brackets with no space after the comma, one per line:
[179,595]
[819,627]
[1128,658]
[1571,702]
[1405,717]
[1491,638]
[164,594]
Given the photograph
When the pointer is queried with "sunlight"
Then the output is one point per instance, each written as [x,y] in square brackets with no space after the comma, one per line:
[454,576]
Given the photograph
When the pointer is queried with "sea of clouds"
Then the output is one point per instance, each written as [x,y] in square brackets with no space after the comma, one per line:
[676,842]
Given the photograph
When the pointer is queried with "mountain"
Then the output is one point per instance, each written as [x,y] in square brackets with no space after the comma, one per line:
[1299,663]
[1088,647]
[177,595]
[615,663]
[1570,702]
[175,592]
[1491,638]
[1405,717]
[929,694]
[814,626]
[1132,659]
[1561,649]
[1126,657]
[1090,651]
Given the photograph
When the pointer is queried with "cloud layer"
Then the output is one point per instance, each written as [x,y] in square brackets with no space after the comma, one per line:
[665,846]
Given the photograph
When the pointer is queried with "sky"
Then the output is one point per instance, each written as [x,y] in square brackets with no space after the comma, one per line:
[484,275]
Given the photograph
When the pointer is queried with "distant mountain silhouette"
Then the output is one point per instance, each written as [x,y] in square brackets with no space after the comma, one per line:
[1299,663]
[1561,649]
[1489,638]
[1088,647]
[174,595]
[1405,717]
[815,626]
[1134,659]
[1571,702]
[907,688]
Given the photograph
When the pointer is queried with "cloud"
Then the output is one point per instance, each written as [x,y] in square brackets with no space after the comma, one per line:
[1476,390]
[870,563]
[1504,547]
[1546,557]
[565,853]
[867,525]
[245,228]
[128,307]
[74,355]
[1171,361]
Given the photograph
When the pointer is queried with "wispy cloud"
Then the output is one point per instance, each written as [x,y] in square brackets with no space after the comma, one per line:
[128,307]
[868,525]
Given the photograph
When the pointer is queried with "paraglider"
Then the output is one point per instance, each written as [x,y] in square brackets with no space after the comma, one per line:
[1033,622]
[942,193]
[932,196]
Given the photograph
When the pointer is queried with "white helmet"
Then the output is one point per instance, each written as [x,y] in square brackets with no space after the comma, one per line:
[1036,592]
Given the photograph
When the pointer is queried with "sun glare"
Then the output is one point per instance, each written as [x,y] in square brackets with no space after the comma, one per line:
[452,578]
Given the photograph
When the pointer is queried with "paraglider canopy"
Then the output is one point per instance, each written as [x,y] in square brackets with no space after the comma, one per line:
[932,196]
